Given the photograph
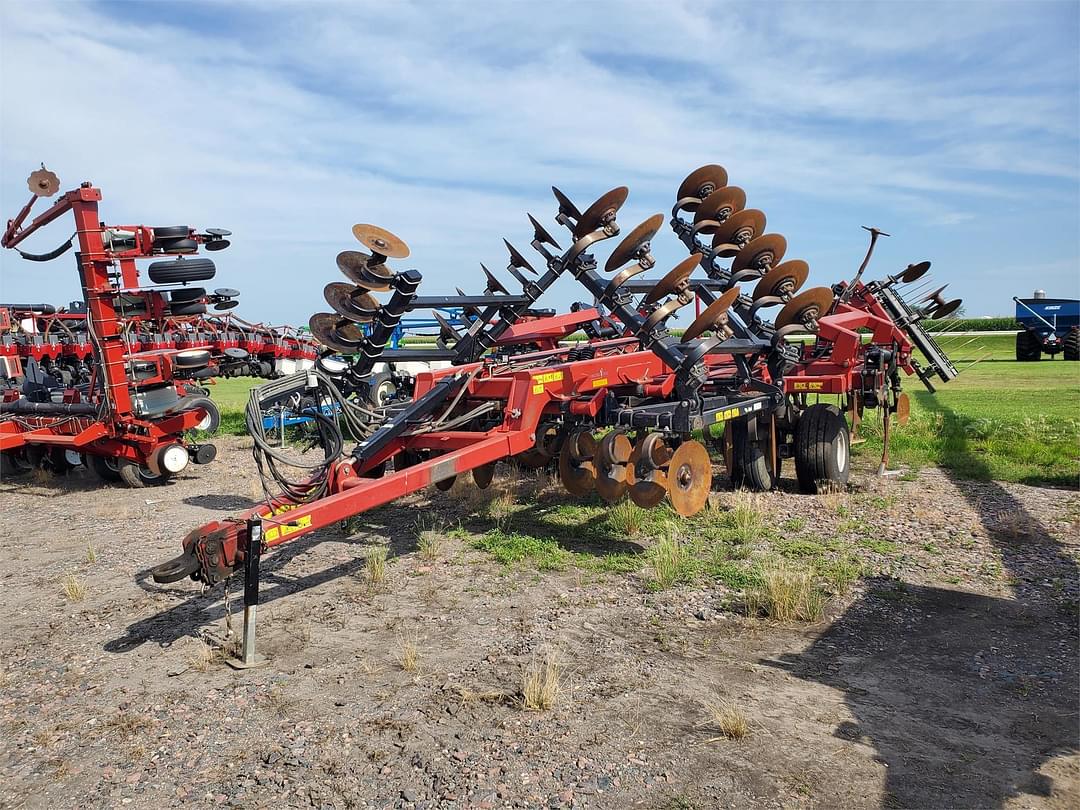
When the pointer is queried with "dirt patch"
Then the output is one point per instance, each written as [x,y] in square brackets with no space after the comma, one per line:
[947,677]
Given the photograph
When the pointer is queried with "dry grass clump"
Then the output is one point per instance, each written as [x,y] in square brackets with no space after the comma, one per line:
[786,594]
[74,588]
[727,718]
[500,506]
[429,538]
[91,553]
[627,518]
[127,723]
[1015,525]
[408,656]
[542,685]
[832,496]
[375,565]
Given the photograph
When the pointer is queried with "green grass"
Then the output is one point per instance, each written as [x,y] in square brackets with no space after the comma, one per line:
[999,420]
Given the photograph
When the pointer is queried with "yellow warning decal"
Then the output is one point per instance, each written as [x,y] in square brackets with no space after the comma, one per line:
[808,386]
[548,377]
[599,382]
[724,415]
[538,389]
[277,531]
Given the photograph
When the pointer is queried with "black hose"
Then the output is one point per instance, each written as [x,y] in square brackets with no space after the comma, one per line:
[68,408]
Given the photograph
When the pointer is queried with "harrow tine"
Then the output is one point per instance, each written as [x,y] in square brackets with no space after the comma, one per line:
[517,260]
[493,284]
[541,235]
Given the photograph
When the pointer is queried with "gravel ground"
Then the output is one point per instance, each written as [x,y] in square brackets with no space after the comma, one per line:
[947,678]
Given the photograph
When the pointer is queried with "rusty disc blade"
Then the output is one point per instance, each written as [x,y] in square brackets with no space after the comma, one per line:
[566,206]
[381,241]
[675,281]
[936,294]
[360,268]
[761,252]
[446,483]
[784,279]
[351,302]
[713,316]
[903,408]
[43,183]
[914,272]
[649,492]
[720,204]
[517,260]
[702,182]
[806,307]
[947,309]
[610,463]
[738,229]
[483,475]
[628,249]
[601,212]
[578,477]
[583,445]
[689,478]
[331,330]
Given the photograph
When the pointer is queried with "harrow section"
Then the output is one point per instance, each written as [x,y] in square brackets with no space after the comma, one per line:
[629,412]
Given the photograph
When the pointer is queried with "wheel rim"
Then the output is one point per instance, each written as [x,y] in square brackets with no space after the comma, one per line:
[205,423]
[841,451]
[385,392]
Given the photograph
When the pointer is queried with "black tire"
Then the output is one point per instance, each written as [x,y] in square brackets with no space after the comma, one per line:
[177,245]
[750,466]
[171,232]
[191,358]
[137,476]
[181,271]
[1028,347]
[822,448]
[213,416]
[186,294]
[193,308]
[13,464]
[104,467]
[1072,345]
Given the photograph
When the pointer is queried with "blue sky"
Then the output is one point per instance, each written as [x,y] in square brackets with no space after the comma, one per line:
[954,127]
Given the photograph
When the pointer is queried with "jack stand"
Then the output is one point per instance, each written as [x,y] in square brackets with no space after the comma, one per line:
[248,659]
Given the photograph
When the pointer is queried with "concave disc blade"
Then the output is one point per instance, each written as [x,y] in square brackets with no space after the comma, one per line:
[359,268]
[721,203]
[689,478]
[601,211]
[738,229]
[784,279]
[381,241]
[349,302]
[808,305]
[674,281]
[712,316]
[628,248]
[483,475]
[702,182]
[914,272]
[760,252]
[579,478]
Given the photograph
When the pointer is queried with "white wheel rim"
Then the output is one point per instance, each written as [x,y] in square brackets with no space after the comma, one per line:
[841,451]
[384,392]
[205,423]
[174,459]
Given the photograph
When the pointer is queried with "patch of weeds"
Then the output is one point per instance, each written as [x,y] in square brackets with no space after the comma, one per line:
[459,532]
[511,547]
[728,718]
[375,565]
[127,723]
[541,687]
[795,524]
[840,573]
[91,553]
[877,545]
[736,577]
[667,557]
[74,588]
[429,535]
[746,520]
[930,548]
[626,518]
[500,508]
[800,548]
[786,594]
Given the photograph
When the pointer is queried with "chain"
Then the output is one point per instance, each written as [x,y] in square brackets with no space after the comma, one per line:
[228,611]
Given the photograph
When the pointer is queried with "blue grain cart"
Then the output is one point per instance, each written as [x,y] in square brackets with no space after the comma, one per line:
[1050,325]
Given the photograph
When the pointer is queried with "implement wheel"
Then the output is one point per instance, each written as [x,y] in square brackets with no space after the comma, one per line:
[1072,345]
[751,466]
[105,468]
[1028,347]
[822,448]
[138,476]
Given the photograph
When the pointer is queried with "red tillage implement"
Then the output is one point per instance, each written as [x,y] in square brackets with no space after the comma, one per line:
[621,414]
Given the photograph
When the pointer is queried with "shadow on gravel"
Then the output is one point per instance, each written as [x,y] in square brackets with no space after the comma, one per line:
[964,696]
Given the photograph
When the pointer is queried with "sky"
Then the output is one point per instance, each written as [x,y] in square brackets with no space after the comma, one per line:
[955,127]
